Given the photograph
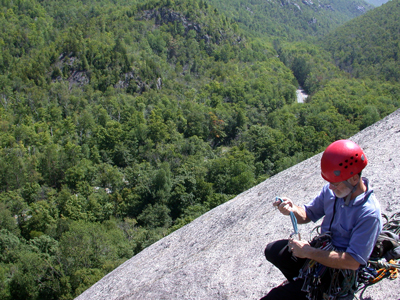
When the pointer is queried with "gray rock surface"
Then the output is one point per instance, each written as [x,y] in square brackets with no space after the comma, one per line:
[220,254]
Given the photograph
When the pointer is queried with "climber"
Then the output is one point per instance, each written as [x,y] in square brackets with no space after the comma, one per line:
[351,218]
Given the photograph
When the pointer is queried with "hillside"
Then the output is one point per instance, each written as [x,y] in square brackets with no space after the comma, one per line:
[291,20]
[220,254]
[369,46]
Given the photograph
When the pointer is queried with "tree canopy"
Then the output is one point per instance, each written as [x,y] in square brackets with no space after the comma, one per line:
[369,47]
[122,121]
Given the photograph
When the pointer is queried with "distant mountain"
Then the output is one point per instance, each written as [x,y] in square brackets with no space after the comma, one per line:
[377,2]
[369,46]
[291,19]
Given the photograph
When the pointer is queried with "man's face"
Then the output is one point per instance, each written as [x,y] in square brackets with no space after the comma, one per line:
[339,189]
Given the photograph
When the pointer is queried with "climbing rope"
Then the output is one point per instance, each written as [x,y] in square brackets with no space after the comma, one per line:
[294,223]
[379,268]
[293,219]
[385,269]
[392,224]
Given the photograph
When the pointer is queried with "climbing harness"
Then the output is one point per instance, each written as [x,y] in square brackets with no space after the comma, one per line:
[321,282]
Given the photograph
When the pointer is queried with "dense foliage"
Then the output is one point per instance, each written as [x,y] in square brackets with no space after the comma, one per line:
[291,19]
[369,46]
[122,121]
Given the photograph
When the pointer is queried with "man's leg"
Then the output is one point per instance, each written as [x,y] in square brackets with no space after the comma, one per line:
[288,291]
[278,254]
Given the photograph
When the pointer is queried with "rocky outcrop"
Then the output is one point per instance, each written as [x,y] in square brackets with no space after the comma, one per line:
[220,254]
[165,16]
[361,9]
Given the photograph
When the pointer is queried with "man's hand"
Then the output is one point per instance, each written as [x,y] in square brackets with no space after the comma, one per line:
[331,258]
[285,206]
[299,248]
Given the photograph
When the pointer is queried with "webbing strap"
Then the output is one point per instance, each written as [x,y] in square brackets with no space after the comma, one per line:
[352,188]
[333,215]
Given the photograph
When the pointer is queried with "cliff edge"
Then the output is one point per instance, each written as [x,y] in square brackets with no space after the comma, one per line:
[220,254]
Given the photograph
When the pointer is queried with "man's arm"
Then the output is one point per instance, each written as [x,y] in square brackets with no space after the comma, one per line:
[300,214]
[332,259]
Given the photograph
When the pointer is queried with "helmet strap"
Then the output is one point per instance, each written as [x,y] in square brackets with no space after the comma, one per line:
[352,188]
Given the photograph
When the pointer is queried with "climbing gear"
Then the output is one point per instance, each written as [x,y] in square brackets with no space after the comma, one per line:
[294,220]
[387,245]
[375,271]
[278,199]
[321,282]
[294,223]
[384,261]
[341,160]
[389,269]
[393,223]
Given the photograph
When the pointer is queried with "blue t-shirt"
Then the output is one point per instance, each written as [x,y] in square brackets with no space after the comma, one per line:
[355,228]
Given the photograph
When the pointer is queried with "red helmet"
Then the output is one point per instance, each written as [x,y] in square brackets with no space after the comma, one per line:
[341,160]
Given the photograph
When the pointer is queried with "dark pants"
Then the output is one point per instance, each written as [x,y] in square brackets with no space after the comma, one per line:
[278,254]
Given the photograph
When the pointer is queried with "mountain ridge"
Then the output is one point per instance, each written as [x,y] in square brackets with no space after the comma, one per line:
[292,19]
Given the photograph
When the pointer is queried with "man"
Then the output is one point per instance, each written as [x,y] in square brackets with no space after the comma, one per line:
[351,214]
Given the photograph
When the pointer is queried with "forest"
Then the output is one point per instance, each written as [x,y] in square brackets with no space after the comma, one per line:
[291,20]
[368,47]
[122,121]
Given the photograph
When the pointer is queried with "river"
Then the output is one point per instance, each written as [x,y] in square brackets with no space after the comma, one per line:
[301,95]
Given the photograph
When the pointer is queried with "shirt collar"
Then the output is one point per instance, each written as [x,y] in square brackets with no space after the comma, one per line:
[360,199]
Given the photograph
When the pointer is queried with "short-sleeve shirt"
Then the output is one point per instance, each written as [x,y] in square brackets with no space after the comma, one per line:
[355,228]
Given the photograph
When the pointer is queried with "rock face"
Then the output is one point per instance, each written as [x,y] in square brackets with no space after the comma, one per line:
[220,254]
